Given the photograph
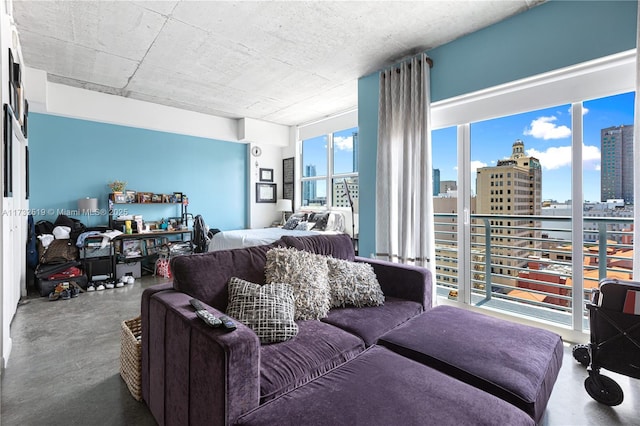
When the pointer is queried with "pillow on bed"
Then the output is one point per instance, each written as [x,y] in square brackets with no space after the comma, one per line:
[321,220]
[304,226]
[294,220]
[266,309]
[307,273]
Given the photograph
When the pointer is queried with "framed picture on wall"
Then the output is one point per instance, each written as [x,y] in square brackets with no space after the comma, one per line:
[265,192]
[8,151]
[266,175]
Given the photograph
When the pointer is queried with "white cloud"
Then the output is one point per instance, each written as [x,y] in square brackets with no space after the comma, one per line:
[545,128]
[475,165]
[560,156]
[343,144]
[585,110]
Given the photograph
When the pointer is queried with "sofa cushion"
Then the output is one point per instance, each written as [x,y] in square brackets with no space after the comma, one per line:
[267,309]
[317,348]
[307,274]
[380,388]
[515,362]
[338,246]
[205,276]
[352,283]
[372,322]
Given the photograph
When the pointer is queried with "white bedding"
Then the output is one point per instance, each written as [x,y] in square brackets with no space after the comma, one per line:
[254,237]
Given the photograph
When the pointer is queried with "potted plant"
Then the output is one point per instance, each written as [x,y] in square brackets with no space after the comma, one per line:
[117,186]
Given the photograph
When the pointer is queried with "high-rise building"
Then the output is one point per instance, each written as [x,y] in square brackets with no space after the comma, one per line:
[447,185]
[436,182]
[339,197]
[512,187]
[616,163]
[309,188]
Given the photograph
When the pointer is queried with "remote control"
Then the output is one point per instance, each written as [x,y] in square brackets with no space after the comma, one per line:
[205,315]
[208,318]
[197,305]
[227,323]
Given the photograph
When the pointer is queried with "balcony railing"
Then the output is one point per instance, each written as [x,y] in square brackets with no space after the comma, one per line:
[523,264]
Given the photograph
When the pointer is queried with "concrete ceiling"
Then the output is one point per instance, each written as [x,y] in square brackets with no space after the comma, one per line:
[283,62]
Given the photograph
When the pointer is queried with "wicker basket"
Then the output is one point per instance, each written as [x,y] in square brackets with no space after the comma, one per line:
[131,356]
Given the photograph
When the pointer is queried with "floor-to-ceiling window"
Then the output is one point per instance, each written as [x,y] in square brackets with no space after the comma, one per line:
[544,191]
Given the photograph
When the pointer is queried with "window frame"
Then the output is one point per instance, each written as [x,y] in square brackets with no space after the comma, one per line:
[330,176]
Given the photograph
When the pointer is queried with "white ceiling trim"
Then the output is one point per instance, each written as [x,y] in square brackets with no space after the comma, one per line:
[601,77]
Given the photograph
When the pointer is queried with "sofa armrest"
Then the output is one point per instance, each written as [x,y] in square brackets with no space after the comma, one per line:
[198,375]
[402,281]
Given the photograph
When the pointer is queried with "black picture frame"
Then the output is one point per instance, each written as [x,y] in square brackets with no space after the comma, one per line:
[266,192]
[14,83]
[8,151]
[288,178]
[266,175]
[25,118]
[26,172]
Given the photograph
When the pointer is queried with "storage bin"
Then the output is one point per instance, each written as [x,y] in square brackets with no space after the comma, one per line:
[132,268]
[131,356]
[90,252]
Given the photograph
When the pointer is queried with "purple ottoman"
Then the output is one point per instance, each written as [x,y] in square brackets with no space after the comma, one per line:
[514,362]
[381,388]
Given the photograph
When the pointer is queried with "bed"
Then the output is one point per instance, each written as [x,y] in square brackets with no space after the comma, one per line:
[298,224]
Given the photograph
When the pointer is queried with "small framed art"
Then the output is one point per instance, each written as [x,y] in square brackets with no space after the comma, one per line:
[266,175]
[265,192]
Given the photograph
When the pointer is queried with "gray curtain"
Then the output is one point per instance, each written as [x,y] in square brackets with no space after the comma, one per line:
[404,189]
[636,156]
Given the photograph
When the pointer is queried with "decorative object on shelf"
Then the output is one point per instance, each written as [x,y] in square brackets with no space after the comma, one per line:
[266,175]
[156,198]
[119,197]
[284,206]
[265,192]
[178,197]
[131,196]
[117,186]
[144,197]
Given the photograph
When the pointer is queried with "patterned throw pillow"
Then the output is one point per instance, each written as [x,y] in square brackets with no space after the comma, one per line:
[307,273]
[321,220]
[304,226]
[267,309]
[354,284]
[291,223]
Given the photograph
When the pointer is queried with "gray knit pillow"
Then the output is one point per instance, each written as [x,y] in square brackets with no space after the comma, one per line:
[307,273]
[353,284]
[267,309]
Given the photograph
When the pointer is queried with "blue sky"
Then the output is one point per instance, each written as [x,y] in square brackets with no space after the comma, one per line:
[546,135]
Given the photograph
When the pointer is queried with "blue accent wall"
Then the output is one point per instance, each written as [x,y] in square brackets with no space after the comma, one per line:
[72,158]
[550,36]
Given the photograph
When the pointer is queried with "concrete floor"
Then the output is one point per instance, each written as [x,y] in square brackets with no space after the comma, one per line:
[63,369]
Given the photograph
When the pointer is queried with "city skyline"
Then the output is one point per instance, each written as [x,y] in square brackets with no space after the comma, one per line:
[546,134]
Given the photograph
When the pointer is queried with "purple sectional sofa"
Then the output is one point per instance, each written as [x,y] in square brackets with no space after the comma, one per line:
[193,374]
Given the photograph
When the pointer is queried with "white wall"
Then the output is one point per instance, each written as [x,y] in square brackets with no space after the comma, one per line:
[13,221]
